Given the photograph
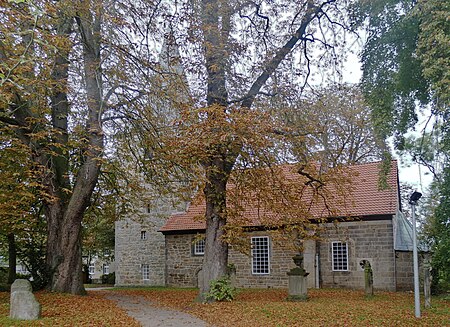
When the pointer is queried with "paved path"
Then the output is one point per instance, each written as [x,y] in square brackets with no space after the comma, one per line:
[151,316]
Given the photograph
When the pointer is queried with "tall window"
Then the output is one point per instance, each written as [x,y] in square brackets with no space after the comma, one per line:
[91,269]
[145,272]
[339,252]
[199,247]
[105,269]
[260,255]
[143,235]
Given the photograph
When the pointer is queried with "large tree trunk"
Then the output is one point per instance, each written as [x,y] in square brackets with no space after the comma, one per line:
[216,18]
[67,277]
[65,213]
[217,166]
[216,249]
[64,230]
[66,270]
[66,199]
[64,251]
[12,258]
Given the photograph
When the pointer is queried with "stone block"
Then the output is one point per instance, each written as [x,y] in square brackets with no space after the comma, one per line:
[23,304]
[297,290]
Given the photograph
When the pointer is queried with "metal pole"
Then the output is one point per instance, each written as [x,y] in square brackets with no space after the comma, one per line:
[416,264]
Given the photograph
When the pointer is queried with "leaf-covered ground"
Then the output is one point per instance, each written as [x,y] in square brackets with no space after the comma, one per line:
[325,307]
[70,310]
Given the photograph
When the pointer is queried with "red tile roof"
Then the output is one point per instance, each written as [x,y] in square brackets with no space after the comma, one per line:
[364,199]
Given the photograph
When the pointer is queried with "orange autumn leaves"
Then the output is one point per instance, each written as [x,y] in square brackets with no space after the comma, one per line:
[325,307]
[70,310]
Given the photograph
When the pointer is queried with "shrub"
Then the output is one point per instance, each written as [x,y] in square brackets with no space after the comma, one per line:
[221,290]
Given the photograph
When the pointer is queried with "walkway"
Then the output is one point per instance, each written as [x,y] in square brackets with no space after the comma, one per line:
[151,316]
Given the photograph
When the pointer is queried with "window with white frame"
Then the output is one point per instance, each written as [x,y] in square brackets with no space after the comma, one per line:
[260,255]
[339,253]
[91,269]
[105,269]
[145,272]
[199,247]
[143,235]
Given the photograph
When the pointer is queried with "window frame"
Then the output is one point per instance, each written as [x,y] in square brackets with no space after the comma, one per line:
[257,265]
[197,246]
[143,235]
[339,262]
[91,268]
[145,271]
[105,269]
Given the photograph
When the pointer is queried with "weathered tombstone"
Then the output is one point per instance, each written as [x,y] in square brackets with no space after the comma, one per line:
[297,286]
[368,278]
[23,303]
[199,275]
[231,273]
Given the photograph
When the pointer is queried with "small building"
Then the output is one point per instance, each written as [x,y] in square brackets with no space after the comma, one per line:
[169,251]
[98,266]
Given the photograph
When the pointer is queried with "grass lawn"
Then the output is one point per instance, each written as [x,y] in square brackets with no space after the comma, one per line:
[88,286]
[325,307]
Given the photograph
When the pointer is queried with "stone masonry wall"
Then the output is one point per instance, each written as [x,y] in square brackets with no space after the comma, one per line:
[367,240]
[131,252]
[280,262]
[183,266]
[404,271]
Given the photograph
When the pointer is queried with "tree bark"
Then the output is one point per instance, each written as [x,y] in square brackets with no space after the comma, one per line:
[12,258]
[57,254]
[217,166]
[215,260]
[67,272]
[216,16]
[66,198]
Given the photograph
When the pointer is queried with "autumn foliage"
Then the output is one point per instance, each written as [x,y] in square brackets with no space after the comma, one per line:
[325,307]
[60,309]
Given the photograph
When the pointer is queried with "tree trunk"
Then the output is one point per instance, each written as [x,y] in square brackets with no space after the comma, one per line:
[67,277]
[216,18]
[65,205]
[215,23]
[65,216]
[66,228]
[64,251]
[12,257]
[216,249]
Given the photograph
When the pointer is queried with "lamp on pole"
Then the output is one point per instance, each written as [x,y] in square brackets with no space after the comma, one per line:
[413,202]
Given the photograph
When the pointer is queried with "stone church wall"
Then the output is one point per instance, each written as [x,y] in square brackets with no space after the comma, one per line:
[367,240]
[133,251]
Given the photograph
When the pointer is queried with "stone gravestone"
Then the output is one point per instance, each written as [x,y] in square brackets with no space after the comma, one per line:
[23,303]
[297,286]
[368,278]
